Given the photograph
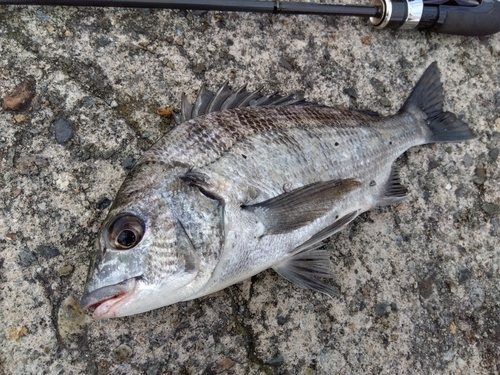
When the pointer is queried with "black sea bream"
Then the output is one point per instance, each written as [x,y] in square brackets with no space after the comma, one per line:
[248,182]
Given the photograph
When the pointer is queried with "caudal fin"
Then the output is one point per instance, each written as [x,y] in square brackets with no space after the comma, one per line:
[427,96]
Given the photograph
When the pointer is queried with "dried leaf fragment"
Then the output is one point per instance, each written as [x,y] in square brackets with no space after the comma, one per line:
[18,332]
[167,112]
[21,96]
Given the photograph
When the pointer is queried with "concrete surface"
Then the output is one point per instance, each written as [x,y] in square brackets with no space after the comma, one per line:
[419,282]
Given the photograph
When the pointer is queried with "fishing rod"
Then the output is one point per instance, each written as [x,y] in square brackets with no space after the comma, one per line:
[459,17]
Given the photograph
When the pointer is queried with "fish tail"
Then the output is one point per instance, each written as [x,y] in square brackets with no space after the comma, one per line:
[427,96]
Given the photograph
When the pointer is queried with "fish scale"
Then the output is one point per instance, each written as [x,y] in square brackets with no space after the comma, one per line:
[230,193]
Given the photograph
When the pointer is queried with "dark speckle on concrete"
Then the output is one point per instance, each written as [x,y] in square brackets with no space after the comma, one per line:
[47,251]
[426,287]
[382,309]
[129,162]
[27,258]
[491,208]
[494,153]
[122,352]
[468,161]
[64,131]
[275,361]
[104,203]
[464,275]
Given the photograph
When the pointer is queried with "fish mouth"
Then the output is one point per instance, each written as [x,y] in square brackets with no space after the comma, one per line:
[104,301]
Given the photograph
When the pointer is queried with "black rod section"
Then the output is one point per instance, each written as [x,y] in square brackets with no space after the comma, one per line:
[219,5]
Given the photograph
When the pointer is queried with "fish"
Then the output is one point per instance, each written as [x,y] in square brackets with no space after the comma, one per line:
[248,182]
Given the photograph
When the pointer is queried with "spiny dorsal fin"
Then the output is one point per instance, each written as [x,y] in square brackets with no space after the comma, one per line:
[299,207]
[225,98]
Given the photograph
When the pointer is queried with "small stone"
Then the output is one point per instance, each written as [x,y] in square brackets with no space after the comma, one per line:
[65,270]
[426,288]
[20,118]
[122,352]
[47,252]
[366,290]
[129,163]
[381,309]
[71,323]
[103,42]
[351,92]
[468,161]
[385,102]
[464,276]
[285,64]
[31,165]
[394,307]
[58,369]
[64,131]
[480,176]
[452,286]
[68,34]
[453,328]
[42,16]
[199,68]
[88,101]
[461,192]
[281,320]
[222,365]
[366,40]
[448,356]
[433,164]
[11,236]
[476,294]
[491,208]
[104,203]
[27,258]
[494,153]
[276,361]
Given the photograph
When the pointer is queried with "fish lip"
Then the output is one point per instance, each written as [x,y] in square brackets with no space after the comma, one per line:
[107,298]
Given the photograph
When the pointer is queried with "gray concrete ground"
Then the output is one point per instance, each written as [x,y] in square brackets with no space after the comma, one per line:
[419,282]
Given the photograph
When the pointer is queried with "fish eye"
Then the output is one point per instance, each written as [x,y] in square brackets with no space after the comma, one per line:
[125,232]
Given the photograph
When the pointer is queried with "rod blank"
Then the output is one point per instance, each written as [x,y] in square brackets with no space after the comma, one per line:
[219,5]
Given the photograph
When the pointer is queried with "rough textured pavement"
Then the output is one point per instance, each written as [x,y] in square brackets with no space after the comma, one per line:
[419,282]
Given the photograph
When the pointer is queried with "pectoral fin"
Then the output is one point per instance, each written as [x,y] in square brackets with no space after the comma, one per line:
[299,207]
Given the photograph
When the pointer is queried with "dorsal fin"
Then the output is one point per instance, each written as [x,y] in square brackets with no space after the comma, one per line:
[226,98]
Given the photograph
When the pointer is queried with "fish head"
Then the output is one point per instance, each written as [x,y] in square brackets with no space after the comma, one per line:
[144,257]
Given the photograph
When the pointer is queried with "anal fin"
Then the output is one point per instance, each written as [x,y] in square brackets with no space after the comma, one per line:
[308,263]
[304,268]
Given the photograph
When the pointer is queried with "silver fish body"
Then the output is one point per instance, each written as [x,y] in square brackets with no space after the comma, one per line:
[242,188]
